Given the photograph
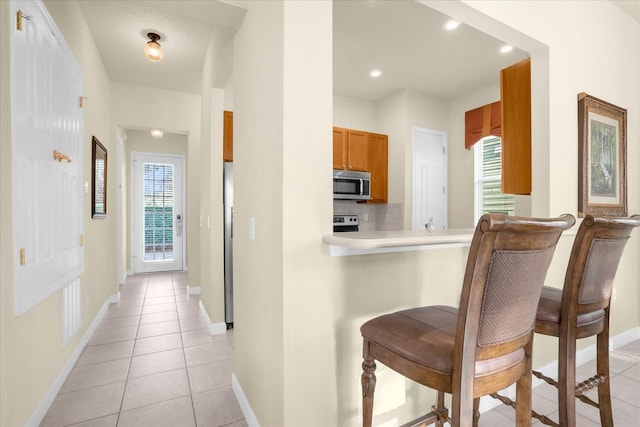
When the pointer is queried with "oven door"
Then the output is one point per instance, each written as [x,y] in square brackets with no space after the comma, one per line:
[344,228]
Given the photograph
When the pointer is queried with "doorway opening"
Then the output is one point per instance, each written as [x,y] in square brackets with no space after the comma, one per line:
[157,220]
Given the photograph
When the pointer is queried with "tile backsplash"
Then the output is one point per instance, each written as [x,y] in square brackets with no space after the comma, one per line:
[380,217]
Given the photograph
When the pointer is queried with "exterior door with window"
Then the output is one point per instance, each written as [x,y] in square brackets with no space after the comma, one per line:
[158,223]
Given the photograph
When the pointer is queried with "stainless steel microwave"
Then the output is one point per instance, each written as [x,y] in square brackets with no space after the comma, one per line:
[351,185]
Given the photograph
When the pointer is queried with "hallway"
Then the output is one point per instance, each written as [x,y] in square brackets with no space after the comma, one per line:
[151,362]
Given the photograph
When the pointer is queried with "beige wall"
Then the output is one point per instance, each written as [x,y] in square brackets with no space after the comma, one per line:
[298,310]
[355,113]
[311,310]
[283,282]
[137,107]
[211,198]
[258,177]
[31,356]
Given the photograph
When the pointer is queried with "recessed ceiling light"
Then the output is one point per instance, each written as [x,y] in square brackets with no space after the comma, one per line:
[451,24]
[375,73]
[506,48]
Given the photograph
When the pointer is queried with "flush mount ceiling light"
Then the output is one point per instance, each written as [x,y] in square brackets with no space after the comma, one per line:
[375,73]
[157,133]
[153,50]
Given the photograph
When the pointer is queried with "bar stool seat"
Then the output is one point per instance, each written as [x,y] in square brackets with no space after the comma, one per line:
[550,307]
[426,336]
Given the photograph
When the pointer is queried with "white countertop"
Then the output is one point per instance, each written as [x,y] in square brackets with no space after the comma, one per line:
[360,242]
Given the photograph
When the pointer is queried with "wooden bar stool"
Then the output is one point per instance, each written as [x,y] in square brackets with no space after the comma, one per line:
[581,309]
[484,345]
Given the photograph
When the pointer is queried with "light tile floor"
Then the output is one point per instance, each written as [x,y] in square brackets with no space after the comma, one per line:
[625,392]
[151,362]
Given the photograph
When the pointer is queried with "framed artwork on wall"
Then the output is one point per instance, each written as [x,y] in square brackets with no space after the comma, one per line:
[98,179]
[602,150]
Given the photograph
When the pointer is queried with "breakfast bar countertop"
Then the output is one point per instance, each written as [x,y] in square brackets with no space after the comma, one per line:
[371,242]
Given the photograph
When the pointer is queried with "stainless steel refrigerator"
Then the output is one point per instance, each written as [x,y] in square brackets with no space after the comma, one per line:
[228,243]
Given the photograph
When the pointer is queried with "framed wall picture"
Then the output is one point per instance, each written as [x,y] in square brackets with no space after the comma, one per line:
[98,179]
[602,148]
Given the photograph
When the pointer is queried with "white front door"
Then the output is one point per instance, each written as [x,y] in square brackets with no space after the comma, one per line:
[429,199]
[158,222]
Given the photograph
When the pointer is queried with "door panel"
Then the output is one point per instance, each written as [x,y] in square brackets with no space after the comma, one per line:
[429,199]
[158,214]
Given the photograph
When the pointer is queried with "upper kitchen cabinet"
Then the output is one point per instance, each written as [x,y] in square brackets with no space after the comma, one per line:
[515,93]
[379,163]
[227,137]
[350,149]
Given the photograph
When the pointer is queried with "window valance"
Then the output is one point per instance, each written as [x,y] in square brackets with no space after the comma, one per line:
[481,122]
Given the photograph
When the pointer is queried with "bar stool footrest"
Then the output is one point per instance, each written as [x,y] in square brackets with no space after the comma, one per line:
[436,415]
[542,418]
[545,378]
[588,384]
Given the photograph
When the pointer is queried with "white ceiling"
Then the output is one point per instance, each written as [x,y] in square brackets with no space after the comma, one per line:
[120,29]
[403,38]
[408,42]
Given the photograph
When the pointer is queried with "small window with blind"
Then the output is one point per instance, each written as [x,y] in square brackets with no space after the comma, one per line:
[488,196]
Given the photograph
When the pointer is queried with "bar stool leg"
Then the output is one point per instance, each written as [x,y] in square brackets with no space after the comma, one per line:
[523,391]
[567,380]
[476,411]
[604,389]
[368,389]
[440,410]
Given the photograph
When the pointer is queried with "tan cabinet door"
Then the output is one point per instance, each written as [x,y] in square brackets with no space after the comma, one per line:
[515,92]
[357,150]
[339,148]
[379,163]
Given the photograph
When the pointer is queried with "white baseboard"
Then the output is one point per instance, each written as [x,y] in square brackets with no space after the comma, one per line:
[115,298]
[193,290]
[42,408]
[550,370]
[219,328]
[245,407]
[624,338]
[124,276]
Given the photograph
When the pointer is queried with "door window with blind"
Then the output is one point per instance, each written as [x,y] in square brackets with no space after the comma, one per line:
[488,196]
[158,211]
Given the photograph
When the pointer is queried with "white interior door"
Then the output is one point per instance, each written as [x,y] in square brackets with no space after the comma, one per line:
[429,201]
[158,223]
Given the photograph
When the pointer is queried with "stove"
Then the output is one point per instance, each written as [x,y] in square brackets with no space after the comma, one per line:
[343,223]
